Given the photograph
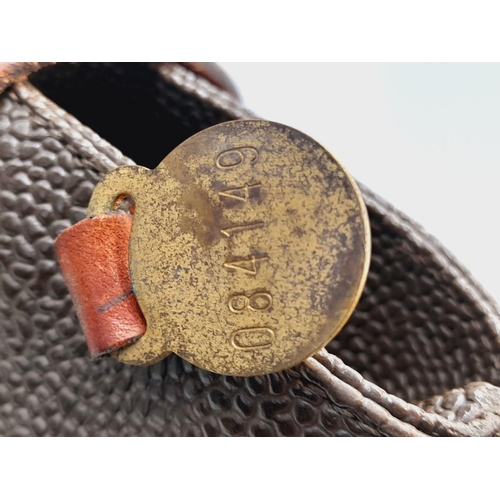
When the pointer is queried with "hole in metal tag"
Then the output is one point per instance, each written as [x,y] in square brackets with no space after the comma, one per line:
[249,249]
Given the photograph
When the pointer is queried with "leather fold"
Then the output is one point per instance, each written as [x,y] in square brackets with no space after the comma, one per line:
[93,255]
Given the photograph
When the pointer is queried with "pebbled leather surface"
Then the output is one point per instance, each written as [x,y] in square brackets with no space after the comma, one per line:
[422,327]
[416,332]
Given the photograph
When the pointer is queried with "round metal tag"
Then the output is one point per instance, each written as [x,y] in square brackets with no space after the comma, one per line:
[249,249]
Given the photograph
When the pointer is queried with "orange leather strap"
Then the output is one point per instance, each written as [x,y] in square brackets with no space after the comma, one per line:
[93,255]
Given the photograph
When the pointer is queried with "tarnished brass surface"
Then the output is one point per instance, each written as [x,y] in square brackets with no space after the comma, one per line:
[249,248]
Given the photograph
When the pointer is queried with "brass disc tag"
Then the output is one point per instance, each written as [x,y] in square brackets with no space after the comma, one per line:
[249,248]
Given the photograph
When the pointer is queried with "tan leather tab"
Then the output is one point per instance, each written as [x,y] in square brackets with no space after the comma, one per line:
[93,255]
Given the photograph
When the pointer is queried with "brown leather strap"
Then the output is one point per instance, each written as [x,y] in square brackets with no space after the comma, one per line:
[13,72]
[472,410]
[93,255]
[214,74]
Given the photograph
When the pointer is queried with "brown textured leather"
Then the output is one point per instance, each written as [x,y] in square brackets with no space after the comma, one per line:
[420,356]
[93,256]
[13,72]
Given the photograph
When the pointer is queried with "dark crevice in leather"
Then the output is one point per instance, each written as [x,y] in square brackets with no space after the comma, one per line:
[128,104]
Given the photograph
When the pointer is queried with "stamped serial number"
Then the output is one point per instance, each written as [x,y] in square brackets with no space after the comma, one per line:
[245,303]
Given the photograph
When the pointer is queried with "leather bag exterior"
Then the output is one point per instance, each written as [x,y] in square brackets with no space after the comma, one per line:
[420,355]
